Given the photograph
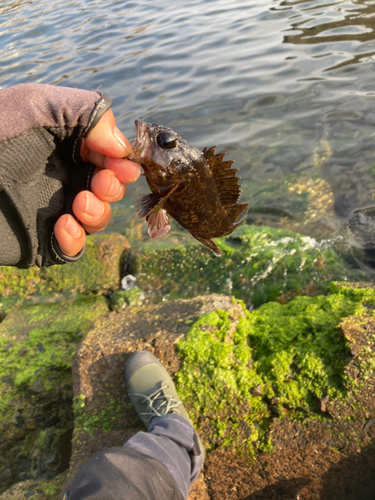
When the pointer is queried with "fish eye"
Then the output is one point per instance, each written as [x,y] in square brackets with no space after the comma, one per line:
[166,140]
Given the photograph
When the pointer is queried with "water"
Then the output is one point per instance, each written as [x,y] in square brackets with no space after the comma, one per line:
[285,87]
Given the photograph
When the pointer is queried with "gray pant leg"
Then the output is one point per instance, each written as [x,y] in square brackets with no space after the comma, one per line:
[171,439]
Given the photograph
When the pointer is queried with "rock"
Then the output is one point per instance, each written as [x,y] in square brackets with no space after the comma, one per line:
[97,271]
[323,403]
[20,422]
[37,386]
[130,298]
[41,490]
[128,282]
[5,476]
[43,316]
[22,351]
[25,465]
[258,264]
[226,351]
[35,407]
[100,361]
[257,391]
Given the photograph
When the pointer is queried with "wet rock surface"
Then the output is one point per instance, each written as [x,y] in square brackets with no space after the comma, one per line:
[258,264]
[98,370]
[259,445]
[43,316]
[36,391]
[98,271]
[314,459]
[41,489]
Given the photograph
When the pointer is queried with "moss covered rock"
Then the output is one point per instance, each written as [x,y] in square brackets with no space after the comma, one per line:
[44,313]
[37,343]
[258,264]
[277,361]
[35,490]
[98,270]
[126,298]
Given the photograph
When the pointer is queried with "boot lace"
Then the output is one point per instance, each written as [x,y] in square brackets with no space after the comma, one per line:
[159,404]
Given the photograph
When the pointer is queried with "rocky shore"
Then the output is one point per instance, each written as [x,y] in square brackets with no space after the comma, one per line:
[274,362]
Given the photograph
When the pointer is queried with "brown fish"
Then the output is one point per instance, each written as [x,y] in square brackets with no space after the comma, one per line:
[197,188]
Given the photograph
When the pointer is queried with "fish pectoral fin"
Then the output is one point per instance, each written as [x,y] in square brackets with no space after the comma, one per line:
[146,204]
[153,202]
[158,224]
[209,244]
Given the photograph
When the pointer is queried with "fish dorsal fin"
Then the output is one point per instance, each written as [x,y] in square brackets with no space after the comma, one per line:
[225,177]
[207,153]
[213,160]
[158,224]
[153,202]
[209,244]
[227,185]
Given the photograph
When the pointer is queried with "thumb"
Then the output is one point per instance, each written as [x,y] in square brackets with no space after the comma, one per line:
[106,139]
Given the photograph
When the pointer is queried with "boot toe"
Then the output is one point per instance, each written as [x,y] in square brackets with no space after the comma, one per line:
[136,361]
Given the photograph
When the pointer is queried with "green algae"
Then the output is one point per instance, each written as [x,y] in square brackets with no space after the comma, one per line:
[45,489]
[257,265]
[37,343]
[215,378]
[44,313]
[106,419]
[97,271]
[126,298]
[50,488]
[277,360]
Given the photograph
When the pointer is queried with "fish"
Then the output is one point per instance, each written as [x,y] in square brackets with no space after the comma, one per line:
[196,188]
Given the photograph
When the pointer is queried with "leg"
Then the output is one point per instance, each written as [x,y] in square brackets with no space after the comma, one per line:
[172,440]
[159,464]
[170,437]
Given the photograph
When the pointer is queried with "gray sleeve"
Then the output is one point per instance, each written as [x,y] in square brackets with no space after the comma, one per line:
[41,127]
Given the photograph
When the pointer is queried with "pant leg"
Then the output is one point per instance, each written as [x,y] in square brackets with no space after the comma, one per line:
[120,473]
[172,440]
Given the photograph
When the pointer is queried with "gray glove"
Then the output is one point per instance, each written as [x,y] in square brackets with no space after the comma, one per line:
[41,172]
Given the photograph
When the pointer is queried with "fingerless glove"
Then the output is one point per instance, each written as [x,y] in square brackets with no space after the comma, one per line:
[41,172]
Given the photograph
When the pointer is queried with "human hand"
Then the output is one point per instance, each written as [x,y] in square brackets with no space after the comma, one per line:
[105,147]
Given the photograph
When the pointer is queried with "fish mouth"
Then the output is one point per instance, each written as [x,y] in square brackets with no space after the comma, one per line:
[142,144]
[141,131]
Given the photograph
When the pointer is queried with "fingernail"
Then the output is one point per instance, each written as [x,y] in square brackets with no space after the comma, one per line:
[115,188]
[94,207]
[73,228]
[119,136]
[137,172]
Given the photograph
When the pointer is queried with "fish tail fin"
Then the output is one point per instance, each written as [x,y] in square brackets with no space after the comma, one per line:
[238,213]
[209,244]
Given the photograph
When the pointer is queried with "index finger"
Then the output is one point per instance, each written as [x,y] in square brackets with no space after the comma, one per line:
[125,170]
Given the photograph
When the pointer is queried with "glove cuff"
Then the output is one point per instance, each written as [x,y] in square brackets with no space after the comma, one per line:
[59,256]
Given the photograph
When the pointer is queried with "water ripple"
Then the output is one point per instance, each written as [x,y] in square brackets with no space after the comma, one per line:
[270,81]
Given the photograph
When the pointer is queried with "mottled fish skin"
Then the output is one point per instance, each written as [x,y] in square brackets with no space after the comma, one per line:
[197,188]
